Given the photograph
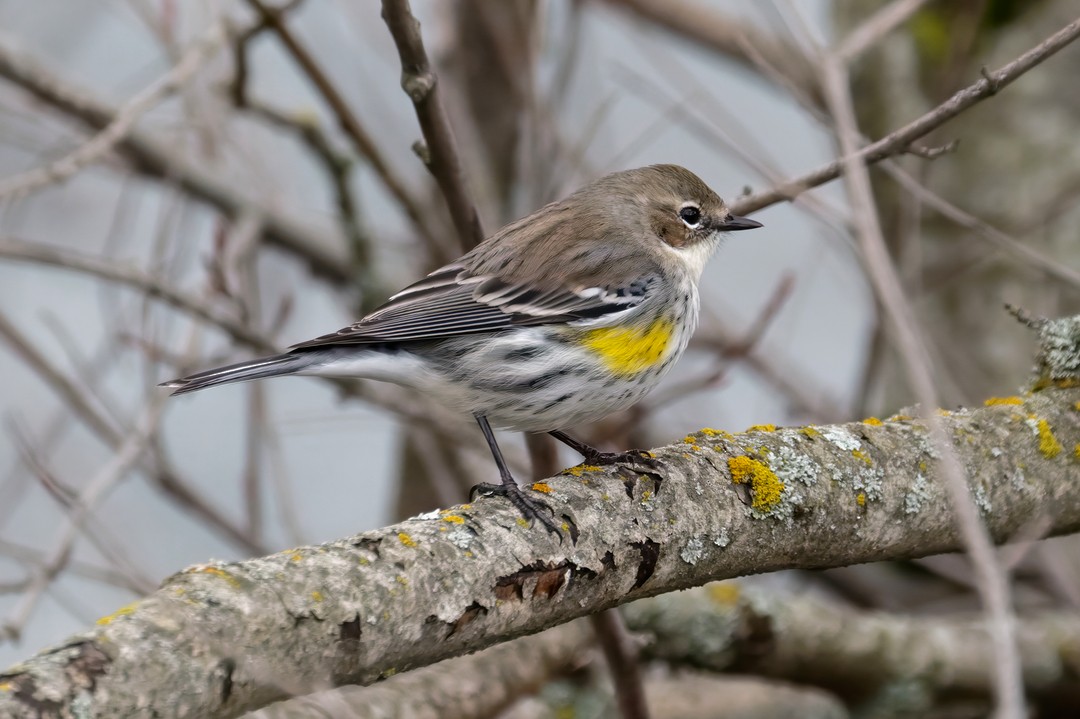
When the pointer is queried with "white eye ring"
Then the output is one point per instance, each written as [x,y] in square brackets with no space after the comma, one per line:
[690,214]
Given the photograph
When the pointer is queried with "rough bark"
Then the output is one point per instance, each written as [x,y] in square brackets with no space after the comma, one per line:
[860,656]
[220,638]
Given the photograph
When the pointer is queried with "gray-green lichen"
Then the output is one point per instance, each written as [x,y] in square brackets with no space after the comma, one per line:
[1059,348]
[917,496]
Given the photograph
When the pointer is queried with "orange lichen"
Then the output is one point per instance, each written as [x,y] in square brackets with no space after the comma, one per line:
[218,572]
[872,421]
[1049,446]
[406,539]
[860,499]
[725,593]
[861,455]
[454,519]
[766,486]
[581,469]
[1003,400]
[121,612]
[809,432]
[762,428]
[541,487]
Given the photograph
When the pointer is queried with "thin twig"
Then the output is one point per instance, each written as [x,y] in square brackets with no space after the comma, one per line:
[83,406]
[350,123]
[993,584]
[733,37]
[126,457]
[152,286]
[155,158]
[877,26]
[898,141]
[122,122]
[420,83]
[1010,245]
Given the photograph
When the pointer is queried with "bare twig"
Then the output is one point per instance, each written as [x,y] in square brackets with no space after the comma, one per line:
[1006,243]
[84,406]
[898,141]
[338,169]
[155,158]
[733,37]
[420,83]
[993,585]
[13,249]
[122,122]
[126,457]
[350,124]
[877,26]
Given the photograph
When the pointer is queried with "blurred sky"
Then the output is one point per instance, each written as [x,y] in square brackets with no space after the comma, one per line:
[340,458]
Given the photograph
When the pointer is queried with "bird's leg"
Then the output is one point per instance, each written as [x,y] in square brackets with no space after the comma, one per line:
[529,508]
[594,456]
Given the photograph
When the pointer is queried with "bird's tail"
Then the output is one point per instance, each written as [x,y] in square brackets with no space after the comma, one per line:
[242,372]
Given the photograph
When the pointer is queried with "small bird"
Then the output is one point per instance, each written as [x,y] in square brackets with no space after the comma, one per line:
[560,318]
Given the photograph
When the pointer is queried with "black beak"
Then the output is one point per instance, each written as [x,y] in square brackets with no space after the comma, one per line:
[733,223]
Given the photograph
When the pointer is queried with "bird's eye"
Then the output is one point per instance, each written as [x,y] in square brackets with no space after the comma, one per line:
[690,215]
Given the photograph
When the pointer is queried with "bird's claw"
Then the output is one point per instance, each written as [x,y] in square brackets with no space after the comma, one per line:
[530,509]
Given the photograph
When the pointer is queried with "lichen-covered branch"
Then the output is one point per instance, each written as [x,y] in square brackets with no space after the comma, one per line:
[222,638]
[479,685]
[727,628]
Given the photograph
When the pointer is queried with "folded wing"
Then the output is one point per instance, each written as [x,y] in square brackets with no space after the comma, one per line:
[451,302]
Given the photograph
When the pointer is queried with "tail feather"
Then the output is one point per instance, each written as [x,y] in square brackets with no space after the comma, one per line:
[240,372]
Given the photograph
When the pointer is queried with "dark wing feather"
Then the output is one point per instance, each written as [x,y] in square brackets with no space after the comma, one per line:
[452,302]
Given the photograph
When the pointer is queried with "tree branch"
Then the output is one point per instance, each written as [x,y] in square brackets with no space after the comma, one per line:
[729,628]
[421,84]
[898,141]
[222,638]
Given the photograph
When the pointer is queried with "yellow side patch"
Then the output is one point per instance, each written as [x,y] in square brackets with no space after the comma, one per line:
[629,350]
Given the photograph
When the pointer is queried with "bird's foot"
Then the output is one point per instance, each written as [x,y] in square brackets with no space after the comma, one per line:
[640,457]
[531,509]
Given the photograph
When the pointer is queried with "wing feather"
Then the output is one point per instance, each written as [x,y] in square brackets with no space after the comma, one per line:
[452,302]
